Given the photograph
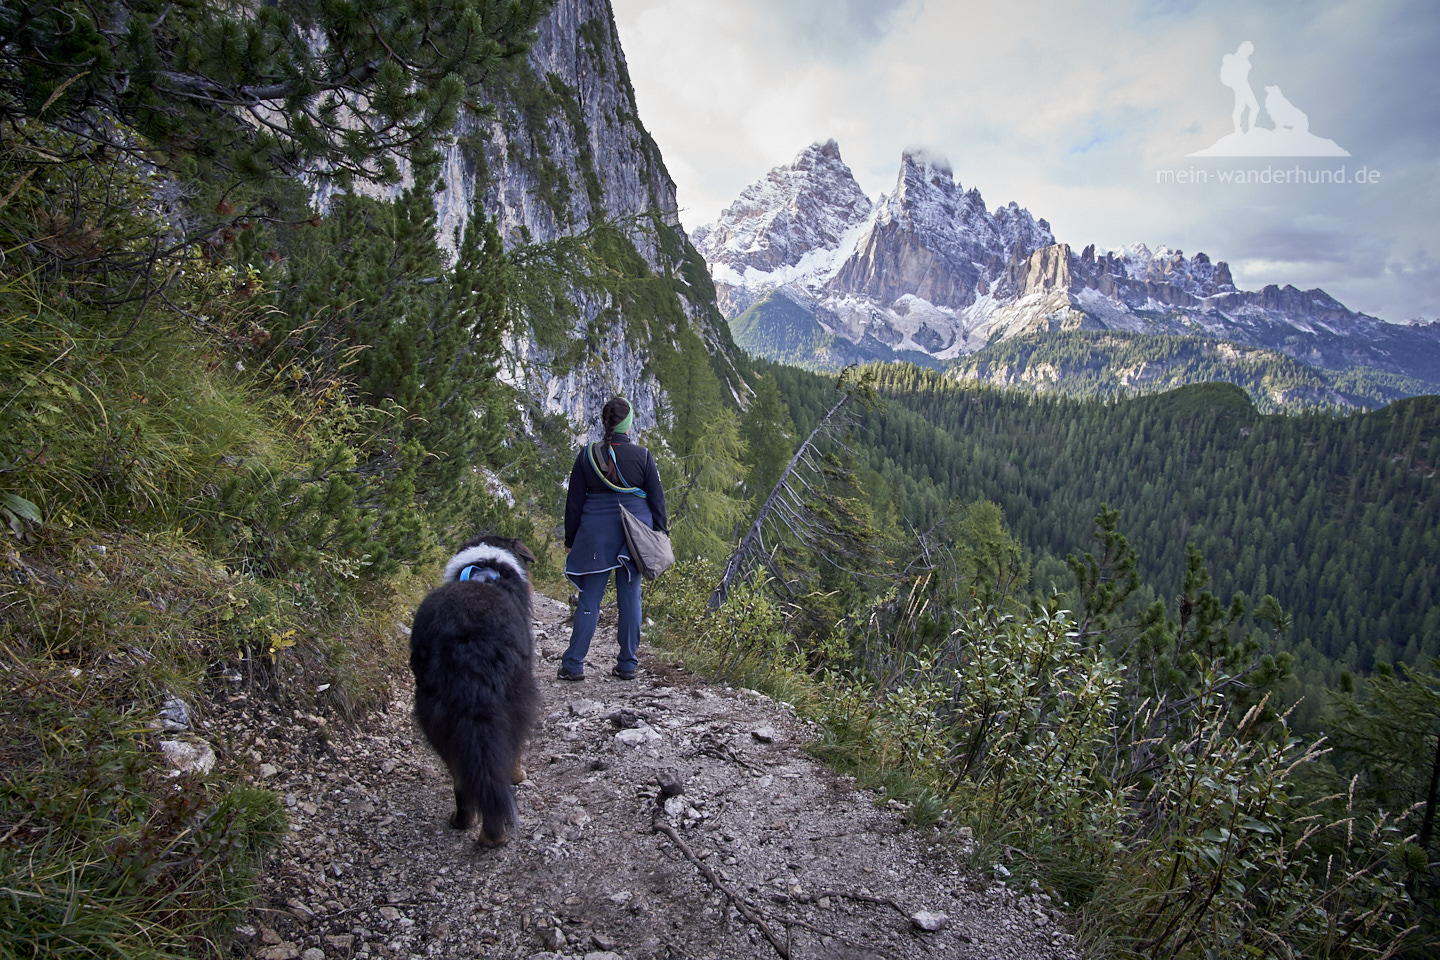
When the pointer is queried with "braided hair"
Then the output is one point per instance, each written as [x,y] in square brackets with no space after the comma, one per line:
[615,410]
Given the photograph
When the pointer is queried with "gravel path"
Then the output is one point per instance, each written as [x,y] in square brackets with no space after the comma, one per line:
[763,854]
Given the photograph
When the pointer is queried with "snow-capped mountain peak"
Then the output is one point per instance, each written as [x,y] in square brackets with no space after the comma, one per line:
[805,205]
[934,239]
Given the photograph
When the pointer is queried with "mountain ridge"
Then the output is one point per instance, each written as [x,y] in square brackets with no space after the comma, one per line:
[931,274]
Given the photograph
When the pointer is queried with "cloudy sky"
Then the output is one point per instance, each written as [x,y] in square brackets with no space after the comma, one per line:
[1073,110]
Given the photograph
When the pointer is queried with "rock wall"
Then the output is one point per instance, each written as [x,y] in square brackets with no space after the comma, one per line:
[564,150]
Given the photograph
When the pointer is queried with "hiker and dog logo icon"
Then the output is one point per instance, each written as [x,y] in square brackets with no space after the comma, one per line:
[1289,137]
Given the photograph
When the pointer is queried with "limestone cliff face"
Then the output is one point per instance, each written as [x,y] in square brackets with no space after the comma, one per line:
[563,151]
[1044,272]
[567,148]
[934,240]
[892,261]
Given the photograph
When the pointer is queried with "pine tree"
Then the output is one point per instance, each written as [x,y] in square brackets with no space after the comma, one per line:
[224,109]
[251,91]
[988,563]
[814,505]
[769,435]
[705,510]
[1388,730]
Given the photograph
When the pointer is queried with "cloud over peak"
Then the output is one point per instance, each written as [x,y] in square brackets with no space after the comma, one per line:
[922,156]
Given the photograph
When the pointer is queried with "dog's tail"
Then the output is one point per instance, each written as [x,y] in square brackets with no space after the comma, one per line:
[487,769]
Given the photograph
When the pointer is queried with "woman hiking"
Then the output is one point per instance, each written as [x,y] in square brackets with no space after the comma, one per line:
[595,540]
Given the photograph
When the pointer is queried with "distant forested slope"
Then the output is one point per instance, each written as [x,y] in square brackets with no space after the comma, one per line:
[1091,363]
[1336,516]
[779,328]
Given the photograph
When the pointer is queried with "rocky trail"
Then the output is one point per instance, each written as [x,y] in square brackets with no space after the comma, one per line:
[749,849]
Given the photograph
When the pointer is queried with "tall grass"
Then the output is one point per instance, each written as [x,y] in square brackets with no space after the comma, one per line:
[137,431]
[136,579]
[194,494]
[103,854]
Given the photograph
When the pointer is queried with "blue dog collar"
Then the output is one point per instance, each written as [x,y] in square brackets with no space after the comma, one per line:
[474,572]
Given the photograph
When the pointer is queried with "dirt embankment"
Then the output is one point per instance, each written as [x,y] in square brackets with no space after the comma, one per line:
[762,853]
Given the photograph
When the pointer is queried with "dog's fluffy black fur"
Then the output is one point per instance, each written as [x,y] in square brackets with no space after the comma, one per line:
[471,649]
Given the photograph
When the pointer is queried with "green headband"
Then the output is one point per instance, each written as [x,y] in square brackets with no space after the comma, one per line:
[624,425]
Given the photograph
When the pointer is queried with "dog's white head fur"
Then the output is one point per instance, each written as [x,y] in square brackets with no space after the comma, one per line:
[483,555]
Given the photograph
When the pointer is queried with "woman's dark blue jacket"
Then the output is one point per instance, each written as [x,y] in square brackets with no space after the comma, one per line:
[592,510]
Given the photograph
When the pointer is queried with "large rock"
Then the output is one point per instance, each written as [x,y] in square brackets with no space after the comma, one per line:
[188,756]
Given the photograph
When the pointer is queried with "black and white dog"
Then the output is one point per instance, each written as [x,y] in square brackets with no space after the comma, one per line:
[471,648]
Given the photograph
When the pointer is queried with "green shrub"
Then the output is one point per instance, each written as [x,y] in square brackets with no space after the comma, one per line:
[743,643]
[1184,827]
